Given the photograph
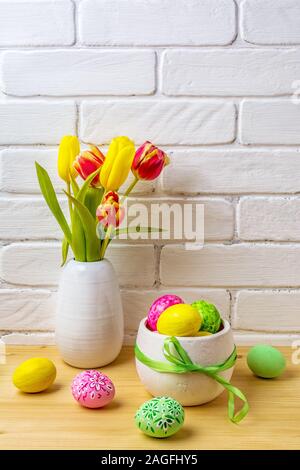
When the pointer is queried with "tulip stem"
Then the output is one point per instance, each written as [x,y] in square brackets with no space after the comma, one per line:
[130,188]
[105,241]
[69,202]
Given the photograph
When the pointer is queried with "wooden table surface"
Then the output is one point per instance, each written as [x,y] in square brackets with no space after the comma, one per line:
[53,420]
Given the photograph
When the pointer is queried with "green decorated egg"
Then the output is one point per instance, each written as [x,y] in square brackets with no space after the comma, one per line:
[210,316]
[265,361]
[160,417]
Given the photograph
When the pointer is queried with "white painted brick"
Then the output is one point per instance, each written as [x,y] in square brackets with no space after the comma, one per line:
[30,263]
[271,21]
[232,172]
[270,122]
[236,72]
[274,218]
[137,303]
[218,215]
[164,122]
[231,265]
[156,22]
[17,169]
[29,339]
[218,219]
[35,122]
[135,265]
[38,264]
[267,311]
[251,339]
[29,218]
[142,187]
[36,23]
[78,72]
[25,309]
[18,175]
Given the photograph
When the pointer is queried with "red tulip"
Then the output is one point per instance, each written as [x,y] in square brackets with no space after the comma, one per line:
[110,212]
[88,162]
[149,162]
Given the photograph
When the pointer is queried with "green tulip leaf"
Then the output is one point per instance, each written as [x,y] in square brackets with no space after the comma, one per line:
[84,188]
[51,200]
[75,187]
[64,251]
[78,237]
[89,226]
[93,198]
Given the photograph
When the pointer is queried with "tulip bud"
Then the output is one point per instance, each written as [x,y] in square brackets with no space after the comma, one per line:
[110,212]
[68,150]
[149,162]
[88,162]
[117,163]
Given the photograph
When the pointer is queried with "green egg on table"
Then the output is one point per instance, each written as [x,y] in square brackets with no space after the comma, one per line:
[160,417]
[266,361]
[210,317]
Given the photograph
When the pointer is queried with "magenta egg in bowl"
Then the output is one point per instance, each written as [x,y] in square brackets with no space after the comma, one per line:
[159,306]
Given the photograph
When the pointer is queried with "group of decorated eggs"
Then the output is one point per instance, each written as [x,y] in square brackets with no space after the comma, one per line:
[91,388]
[169,315]
[160,416]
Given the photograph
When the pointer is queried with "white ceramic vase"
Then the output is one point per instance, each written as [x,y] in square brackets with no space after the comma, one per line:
[191,388]
[89,317]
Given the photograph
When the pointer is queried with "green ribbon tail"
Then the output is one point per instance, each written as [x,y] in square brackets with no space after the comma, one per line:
[179,362]
[233,392]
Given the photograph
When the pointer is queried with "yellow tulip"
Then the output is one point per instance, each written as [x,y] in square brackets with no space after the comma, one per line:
[117,163]
[68,150]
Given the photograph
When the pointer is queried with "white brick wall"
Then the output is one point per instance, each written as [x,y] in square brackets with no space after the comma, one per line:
[272,218]
[78,72]
[268,122]
[169,122]
[250,304]
[270,21]
[234,171]
[157,22]
[35,122]
[27,309]
[36,23]
[235,72]
[215,82]
[231,265]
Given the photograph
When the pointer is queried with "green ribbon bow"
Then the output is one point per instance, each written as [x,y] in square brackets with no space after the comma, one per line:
[181,363]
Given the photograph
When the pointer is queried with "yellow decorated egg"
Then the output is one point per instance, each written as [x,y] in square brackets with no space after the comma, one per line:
[34,375]
[179,320]
[203,333]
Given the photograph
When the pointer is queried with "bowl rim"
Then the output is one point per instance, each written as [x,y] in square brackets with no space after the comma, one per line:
[224,331]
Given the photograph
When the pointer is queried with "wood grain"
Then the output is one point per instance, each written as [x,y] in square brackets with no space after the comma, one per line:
[53,420]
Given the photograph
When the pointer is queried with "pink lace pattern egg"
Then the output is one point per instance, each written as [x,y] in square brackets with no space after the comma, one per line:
[92,389]
[159,306]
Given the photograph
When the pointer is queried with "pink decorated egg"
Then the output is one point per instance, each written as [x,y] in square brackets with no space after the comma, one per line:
[92,389]
[159,306]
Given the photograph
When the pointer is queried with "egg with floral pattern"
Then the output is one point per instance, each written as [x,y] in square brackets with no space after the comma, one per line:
[92,389]
[160,417]
[159,306]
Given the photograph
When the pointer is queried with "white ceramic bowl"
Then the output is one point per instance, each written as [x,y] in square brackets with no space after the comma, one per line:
[193,388]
